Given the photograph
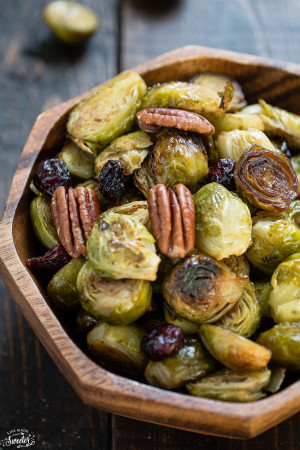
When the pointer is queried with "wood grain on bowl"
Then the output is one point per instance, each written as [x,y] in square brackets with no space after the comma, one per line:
[276,82]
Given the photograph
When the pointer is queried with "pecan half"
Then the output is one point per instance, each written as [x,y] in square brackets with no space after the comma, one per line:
[74,213]
[151,119]
[172,216]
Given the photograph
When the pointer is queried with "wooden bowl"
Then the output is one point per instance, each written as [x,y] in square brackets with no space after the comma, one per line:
[276,82]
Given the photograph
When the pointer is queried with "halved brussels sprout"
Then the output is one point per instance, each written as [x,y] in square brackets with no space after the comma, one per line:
[238,264]
[284,299]
[232,144]
[42,221]
[263,289]
[293,212]
[118,302]
[121,247]
[109,112]
[284,342]
[79,162]
[245,316]
[188,96]
[131,149]
[281,123]
[202,289]
[186,325]
[143,178]
[223,222]
[217,82]
[179,157]
[295,160]
[136,210]
[85,322]
[238,121]
[234,351]
[275,237]
[190,363]
[62,289]
[276,380]
[118,346]
[231,386]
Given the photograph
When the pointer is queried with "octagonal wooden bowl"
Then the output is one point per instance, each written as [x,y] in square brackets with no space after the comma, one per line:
[276,82]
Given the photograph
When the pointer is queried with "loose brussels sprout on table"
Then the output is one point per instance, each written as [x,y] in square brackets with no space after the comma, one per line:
[187,319]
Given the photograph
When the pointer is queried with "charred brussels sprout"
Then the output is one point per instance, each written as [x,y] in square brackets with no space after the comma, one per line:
[217,82]
[42,221]
[284,299]
[186,325]
[231,386]
[85,322]
[234,351]
[131,149]
[202,289]
[136,210]
[232,144]
[223,222]
[190,363]
[245,316]
[284,342]
[275,237]
[71,22]
[264,289]
[238,264]
[188,96]
[118,302]
[79,162]
[62,289]
[231,122]
[109,112]
[121,247]
[118,346]
[179,157]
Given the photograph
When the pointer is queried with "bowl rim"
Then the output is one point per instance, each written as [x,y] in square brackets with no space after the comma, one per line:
[95,385]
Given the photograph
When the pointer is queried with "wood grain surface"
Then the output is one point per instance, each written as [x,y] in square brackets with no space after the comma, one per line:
[36,73]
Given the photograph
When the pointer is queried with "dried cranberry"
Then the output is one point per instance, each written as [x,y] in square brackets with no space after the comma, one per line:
[51,262]
[222,173]
[51,174]
[162,342]
[111,181]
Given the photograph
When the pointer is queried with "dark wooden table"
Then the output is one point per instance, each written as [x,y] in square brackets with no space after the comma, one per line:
[36,72]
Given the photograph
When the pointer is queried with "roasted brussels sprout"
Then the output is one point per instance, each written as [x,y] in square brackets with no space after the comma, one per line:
[232,144]
[190,363]
[191,97]
[295,160]
[79,162]
[71,22]
[234,351]
[202,289]
[275,237]
[186,325]
[223,222]
[238,264]
[281,123]
[62,289]
[293,212]
[42,221]
[121,247]
[118,302]
[231,386]
[263,289]
[179,157]
[284,299]
[136,210]
[131,149]
[276,380]
[284,342]
[217,82]
[118,346]
[85,322]
[267,179]
[109,112]
[143,178]
[238,121]
[245,316]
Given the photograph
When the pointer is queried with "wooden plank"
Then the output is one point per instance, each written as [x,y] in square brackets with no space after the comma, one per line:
[36,72]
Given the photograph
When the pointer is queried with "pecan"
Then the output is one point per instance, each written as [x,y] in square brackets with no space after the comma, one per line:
[74,213]
[172,216]
[151,119]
